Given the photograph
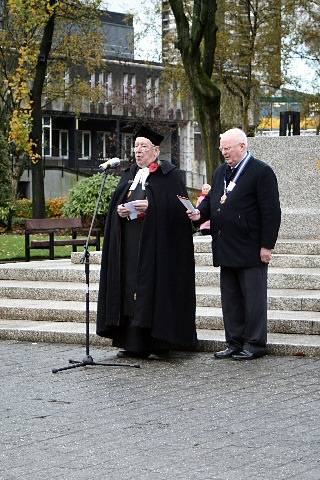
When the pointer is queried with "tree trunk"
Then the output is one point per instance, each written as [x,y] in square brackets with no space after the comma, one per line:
[207,111]
[245,102]
[206,100]
[38,197]
[197,45]
[17,171]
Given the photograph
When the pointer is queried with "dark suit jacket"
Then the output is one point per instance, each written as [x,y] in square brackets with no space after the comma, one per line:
[248,220]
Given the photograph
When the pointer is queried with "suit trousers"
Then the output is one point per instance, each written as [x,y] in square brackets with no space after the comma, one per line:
[244,307]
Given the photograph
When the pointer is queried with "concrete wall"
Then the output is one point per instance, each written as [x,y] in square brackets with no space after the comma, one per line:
[55,185]
[296,162]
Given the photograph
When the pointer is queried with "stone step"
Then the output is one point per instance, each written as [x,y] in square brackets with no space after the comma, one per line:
[300,222]
[69,291]
[45,310]
[296,278]
[283,246]
[280,321]
[48,270]
[64,271]
[278,260]
[209,340]
[205,258]
[278,299]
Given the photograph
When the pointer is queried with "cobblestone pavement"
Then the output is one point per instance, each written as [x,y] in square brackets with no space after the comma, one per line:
[191,417]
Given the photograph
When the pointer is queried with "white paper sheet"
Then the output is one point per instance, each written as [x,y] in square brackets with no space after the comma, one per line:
[186,202]
[133,211]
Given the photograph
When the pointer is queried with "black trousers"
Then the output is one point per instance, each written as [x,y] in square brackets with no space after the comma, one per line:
[244,307]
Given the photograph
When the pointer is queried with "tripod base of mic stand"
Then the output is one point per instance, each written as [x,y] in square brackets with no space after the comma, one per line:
[88,360]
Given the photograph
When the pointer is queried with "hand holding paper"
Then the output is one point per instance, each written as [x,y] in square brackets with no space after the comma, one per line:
[186,202]
[132,209]
[193,213]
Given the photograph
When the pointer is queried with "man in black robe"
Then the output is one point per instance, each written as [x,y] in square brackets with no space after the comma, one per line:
[146,301]
[244,211]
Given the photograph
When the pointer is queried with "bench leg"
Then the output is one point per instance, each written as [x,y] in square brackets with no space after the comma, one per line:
[51,247]
[74,236]
[27,246]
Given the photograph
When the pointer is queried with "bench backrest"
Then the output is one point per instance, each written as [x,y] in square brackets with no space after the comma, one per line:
[53,223]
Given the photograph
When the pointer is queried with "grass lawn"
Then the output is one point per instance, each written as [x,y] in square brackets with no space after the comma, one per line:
[12,248]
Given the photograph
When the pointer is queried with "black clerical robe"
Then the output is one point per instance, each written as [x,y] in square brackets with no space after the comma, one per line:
[164,301]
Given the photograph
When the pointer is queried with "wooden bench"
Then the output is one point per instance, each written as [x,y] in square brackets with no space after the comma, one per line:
[52,226]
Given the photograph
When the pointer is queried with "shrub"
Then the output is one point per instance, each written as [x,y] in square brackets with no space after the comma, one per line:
[23,208]
[54,206]
[83,197]
[5,212]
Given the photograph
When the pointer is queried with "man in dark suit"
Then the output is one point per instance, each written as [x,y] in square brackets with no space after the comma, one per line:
[244,209]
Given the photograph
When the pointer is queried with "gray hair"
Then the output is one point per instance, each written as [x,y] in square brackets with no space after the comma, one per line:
[236,134]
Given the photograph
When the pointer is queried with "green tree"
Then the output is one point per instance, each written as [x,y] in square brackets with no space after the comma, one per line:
[5,180]
[197,41]
[248,50]
[41,40]
[305,39]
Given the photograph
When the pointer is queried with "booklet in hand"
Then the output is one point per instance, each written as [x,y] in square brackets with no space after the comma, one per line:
[133,212]
[186,202]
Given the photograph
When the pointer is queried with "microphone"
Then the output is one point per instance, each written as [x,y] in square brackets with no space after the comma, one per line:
[111,163]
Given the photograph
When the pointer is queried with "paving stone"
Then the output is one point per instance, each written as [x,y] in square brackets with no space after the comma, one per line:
[188,418]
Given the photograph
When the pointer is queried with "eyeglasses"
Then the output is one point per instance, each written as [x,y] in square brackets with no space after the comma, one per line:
[227,149]
[144,147]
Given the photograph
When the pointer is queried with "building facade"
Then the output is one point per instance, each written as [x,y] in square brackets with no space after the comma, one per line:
[131,94]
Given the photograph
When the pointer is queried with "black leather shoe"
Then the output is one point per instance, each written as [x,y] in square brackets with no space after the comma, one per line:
[159,356]
[128,354]
[246,355]
[227,353]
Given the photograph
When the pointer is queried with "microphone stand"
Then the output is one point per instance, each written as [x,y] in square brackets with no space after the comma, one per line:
[85,259]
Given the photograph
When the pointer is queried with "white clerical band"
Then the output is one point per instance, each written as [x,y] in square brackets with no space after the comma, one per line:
[141,177]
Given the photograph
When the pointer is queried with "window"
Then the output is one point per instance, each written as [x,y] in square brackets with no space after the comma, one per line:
[105,81]
[157,91]
[149,91]
[94,79]
[103,146]
[84,144]
[55,142]
[66,80]
[60,143]
[64,143]
[127,146]
[46,136]
[153,91]
[129,88]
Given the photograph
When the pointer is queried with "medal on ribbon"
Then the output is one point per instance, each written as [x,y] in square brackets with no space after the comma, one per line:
[233,183]
[223,198]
